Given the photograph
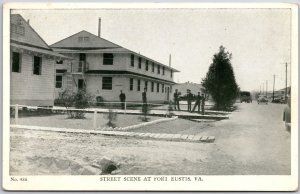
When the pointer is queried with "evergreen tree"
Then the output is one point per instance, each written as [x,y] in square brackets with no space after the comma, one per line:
[220,80]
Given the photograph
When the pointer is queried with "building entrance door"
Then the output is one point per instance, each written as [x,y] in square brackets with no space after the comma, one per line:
[82,60]
[80,84]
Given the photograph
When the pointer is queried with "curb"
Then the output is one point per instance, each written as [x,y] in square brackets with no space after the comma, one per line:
[156,136]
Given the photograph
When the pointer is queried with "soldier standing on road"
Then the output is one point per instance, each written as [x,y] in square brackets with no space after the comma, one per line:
[197,102]
[176,99]
[122,99]
[203,104]
[189,97]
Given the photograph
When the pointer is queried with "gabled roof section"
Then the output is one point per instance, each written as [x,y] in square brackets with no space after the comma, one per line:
[90,43]
[85,40]
[22,32]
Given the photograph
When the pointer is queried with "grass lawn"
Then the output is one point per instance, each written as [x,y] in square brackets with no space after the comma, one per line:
[61,120]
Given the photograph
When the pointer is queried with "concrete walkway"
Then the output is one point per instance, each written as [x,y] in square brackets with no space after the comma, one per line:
[214,115]
[158,136]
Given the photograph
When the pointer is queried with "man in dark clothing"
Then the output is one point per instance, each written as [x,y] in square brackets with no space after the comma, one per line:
[122,99]
[189,97]
[202,104]
[197,102]
[176,99]
[144,98]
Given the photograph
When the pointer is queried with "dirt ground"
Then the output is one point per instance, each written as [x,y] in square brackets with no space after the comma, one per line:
[252,141]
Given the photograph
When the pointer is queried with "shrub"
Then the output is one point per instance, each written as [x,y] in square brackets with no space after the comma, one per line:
[170,110]
[77,100]
[111,116]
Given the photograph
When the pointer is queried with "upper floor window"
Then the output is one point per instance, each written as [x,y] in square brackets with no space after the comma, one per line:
[16,62]
[108,59]
[140,62]
[163,70]
[152,86]
[132,60]
[59,62]
[37,65]
[17,29]
[131,84]
[58,81]
[158,69]
[139,85]
[147,65]
[153,67]
[107,83]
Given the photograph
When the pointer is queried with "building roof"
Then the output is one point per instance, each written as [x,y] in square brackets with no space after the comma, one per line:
[87,42]
[28,36]
[23,36]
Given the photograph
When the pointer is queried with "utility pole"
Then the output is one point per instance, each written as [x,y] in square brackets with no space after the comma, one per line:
[286,82]
[259,89]
[267,88]
[273,86]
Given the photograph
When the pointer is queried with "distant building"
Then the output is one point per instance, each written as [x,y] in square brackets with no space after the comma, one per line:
[32,65]
[103,68]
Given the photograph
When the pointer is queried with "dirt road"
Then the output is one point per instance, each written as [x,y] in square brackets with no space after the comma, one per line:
[253,141]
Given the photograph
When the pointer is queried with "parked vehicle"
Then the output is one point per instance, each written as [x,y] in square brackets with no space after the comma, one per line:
[262,100]
[245,97]
[278,100]
[287,115]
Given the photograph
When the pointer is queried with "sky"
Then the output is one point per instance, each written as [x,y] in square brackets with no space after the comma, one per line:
[259,39]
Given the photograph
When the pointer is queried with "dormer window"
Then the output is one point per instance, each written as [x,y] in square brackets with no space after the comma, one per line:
[108,59]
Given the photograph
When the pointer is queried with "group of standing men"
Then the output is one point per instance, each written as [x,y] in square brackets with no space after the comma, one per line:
[199,101]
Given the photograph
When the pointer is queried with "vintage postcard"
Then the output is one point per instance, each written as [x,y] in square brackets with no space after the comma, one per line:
[150,96]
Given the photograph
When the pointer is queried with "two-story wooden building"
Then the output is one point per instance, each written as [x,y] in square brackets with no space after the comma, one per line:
[103,69]
[32,65]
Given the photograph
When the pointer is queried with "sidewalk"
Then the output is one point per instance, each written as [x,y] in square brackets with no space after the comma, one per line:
[158,136]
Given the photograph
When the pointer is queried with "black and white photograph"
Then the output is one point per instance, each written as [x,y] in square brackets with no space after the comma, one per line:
[150,97]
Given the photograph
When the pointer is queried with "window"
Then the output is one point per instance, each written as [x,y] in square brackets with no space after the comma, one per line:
[152,86]
[170,89]
[131,84]
[152,67]
[146,85]
[157,88]
[147,65]
[108,59]
[16,62]
[163,88]
[107,83]
[37,65]
[139,85]
[171,73]
[58,81]
[83,39]
[158,69]
[140,62]
[132,60]
[59,62]
[163,70]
